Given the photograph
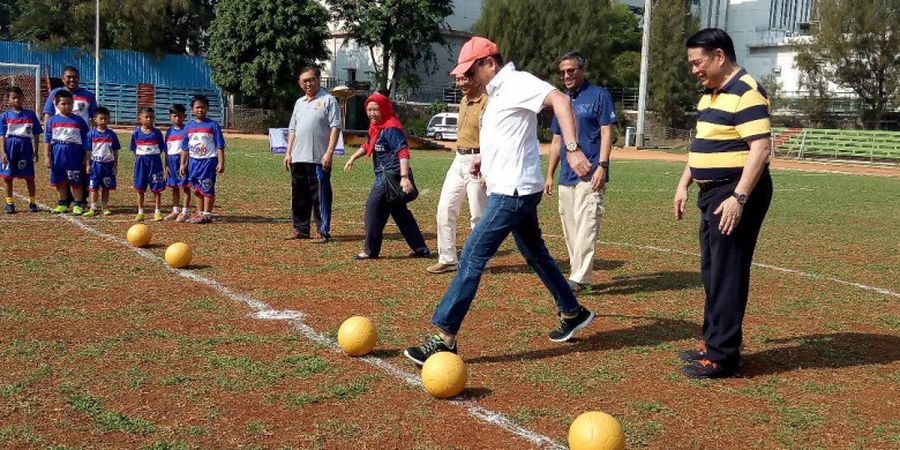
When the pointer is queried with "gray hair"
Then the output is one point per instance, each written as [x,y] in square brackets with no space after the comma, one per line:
[579,59]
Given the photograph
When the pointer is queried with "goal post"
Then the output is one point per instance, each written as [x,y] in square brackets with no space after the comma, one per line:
[25,76]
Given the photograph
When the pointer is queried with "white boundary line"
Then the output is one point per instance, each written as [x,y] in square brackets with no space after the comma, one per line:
[263,311]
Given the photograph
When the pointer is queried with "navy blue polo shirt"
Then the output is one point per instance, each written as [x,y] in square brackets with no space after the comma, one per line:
[593,109]
[387,147]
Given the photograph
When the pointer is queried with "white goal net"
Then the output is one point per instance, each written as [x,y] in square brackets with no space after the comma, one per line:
[25,76]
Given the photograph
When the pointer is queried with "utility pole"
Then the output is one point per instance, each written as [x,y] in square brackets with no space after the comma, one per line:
[97,52]
[645,67]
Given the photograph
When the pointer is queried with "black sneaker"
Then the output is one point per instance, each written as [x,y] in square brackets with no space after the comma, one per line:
[433,344]
[568,327]
[705,368]
[695,354]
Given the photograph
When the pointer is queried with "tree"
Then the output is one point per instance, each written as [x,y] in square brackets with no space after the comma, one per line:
[402,30]
[672,88]
[855,44]
[257,48]
[9,9]
[535,33]
[163,26]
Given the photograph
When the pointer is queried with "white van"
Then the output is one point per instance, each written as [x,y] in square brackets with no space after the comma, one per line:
[443,126]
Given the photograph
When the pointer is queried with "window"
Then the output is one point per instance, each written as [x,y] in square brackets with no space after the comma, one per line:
[451,121]
[351,74]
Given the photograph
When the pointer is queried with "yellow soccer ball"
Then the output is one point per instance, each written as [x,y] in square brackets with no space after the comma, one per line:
[178,255]
[596,430]
[139,235]
[357,336]
[444,375]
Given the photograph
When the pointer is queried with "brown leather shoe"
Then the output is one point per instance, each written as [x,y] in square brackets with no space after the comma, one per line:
[296,235]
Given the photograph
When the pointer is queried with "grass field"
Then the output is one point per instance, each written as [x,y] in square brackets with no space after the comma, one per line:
[101,346]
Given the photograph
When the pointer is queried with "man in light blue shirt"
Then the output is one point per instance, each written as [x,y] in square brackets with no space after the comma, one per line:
[312,136]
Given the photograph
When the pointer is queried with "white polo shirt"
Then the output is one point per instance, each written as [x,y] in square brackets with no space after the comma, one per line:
[510,151]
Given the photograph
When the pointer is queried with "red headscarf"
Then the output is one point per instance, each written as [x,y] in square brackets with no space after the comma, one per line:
[387,120]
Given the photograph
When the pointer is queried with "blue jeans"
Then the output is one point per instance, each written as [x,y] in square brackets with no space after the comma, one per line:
[503,215]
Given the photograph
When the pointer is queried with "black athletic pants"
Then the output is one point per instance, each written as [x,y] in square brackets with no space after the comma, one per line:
[304,197]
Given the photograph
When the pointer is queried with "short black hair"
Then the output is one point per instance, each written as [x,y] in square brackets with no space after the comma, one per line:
[102,111]
[14,90]
[315,70]
[574,56]
[71,69]
[61,94]
[710,39]
[177,108]
[199,98]
[146,110]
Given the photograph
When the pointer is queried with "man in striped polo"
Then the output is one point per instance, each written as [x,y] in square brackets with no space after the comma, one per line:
[728,159]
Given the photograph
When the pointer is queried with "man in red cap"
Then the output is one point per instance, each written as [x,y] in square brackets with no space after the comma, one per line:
[511,166]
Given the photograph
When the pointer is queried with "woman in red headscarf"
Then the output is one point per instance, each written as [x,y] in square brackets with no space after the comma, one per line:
[387,147]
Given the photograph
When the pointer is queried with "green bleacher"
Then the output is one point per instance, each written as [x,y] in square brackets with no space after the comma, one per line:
[851,145]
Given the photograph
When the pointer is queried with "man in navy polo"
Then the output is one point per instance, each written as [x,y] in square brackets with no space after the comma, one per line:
[581,199]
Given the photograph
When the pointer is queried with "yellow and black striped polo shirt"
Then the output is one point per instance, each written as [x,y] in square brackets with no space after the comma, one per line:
[727,120]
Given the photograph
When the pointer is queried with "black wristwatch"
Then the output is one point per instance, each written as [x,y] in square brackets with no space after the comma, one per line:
[604,164]
[741,198]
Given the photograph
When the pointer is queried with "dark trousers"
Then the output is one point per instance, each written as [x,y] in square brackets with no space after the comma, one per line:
[304,196]
[725,265]
[377,212]
[325,199]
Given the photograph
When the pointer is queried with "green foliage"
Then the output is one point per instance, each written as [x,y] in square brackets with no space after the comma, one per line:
[672,88]
[774,90]
[404,31]
[257,48]
[855,45]
[165,26]
[605,32]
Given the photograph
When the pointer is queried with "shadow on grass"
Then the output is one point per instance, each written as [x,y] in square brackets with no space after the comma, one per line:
[823,351]
[656,281]
[474,393]
[658,331]
[385,353]
[250,219]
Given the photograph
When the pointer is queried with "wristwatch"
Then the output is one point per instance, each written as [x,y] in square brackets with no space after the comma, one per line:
[604,164]
[741,198]
[571,146]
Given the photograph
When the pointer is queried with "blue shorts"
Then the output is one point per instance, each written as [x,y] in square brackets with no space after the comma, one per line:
[148,172]
[20,154]
[102,176]
[67,166]
[202,175]
[174,179]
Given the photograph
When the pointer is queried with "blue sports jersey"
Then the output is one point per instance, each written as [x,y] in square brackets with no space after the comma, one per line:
[151,143]
[203,138]
[20,124]
[85,104]
[174,140]
[68,130]
[103,144]
[593,107]
[386,155]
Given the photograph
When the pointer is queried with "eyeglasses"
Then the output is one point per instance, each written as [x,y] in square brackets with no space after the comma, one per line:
[564,72]
[306,81]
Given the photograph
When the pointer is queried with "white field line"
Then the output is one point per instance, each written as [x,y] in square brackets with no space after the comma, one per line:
[262,310]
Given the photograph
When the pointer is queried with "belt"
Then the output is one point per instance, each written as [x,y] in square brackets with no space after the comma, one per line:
[468,151]
[706,185]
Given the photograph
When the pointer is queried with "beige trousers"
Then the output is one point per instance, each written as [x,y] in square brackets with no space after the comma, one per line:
[458,186]
[580,210]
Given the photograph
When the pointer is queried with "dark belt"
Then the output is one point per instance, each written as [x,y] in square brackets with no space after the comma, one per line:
[712,184]
[468,151]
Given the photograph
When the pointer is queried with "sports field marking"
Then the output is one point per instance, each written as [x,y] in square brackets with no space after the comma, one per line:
[262,310]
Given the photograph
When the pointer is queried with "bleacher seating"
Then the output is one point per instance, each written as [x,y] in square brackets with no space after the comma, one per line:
[833,144]
[122,101]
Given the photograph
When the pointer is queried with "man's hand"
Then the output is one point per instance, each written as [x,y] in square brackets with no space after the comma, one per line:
[731,212]
[287,161]
[475,168]
[579,163]
[598,180]
[680,201]
[548,187]
[327,160]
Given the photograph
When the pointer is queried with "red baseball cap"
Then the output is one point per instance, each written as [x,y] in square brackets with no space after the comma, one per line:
[473,50]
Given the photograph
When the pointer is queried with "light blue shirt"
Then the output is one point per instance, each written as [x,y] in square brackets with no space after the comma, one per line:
[311,123]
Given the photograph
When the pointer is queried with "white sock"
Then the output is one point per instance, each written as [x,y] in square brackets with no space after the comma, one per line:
[157,211]
[93,205]
[140,210]
[207,213]
[176,209]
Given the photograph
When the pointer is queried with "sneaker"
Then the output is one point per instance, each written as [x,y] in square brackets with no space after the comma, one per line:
[568,327]
[171,216]
[60,209]
[182,218]
[91,213]
[10,208]
[77,210]
[695,354]
[107,212]
[441,268]
[33,208]
[157,216]
[138,217]
[423,253]
[433,344]
[705,368]
[203,218]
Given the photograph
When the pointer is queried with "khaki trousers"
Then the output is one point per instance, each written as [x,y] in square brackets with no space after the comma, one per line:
[580,210]
[458,186]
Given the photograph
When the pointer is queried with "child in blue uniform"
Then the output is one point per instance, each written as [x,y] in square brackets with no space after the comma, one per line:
[147,143]
[67,152]
[104,162]
[179,184]
[204,145]
[19,131]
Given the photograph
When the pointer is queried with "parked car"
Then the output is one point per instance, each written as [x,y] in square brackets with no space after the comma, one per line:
[443,126]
